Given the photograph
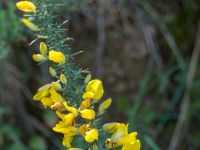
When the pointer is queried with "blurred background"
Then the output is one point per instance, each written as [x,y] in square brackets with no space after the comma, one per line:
[146,52]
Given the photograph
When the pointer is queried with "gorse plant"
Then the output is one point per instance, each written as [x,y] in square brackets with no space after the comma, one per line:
[73,95]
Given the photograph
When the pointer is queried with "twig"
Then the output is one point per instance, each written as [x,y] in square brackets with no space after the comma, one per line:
[186,97]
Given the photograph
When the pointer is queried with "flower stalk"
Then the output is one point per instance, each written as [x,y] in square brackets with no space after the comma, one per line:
[72,94]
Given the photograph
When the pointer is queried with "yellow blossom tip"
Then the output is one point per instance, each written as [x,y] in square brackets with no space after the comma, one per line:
[30,25]
[39,58]
[43,48]
[26,6]
[67,141]
[88,114]
[52,72]
[94,90]
[57,57]
[103,106]
[63,79]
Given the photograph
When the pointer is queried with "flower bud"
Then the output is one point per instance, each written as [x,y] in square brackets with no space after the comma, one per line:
[63,79]
[52,71]
[39,57]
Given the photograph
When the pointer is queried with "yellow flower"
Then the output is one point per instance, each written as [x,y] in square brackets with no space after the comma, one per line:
[26,6]
[39,57]
[103,106]
[56,57]
[75,149]
[43,48]
[52,71]
[132,146]
[84,128]
[91,135]
[88,114]
[30,25]
[94,90]
[63,79]
[66,125]
[121,137]
[67,141]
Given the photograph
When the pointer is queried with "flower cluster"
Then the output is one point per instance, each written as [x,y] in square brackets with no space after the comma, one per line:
[73,98]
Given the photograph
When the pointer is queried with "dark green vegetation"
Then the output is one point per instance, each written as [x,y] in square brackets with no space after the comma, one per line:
[144,52]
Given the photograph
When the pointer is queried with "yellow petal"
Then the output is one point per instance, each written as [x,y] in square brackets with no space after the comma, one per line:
[75,149]
[91,135]
[60,115]
[67,141]
[88,95]
[69,131]
[88,114]
[52,72]
[56,86]
[69,119]
[39,57]
[63,79]
[71,109]
[127,139]
[40,94]
[43,48]
[55,96]
[30,25]
[56,57]
[103,106]
[26,6]
[47,102]
[134,146]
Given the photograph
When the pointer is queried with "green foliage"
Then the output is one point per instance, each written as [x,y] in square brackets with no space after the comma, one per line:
[10,27]
[37,143]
